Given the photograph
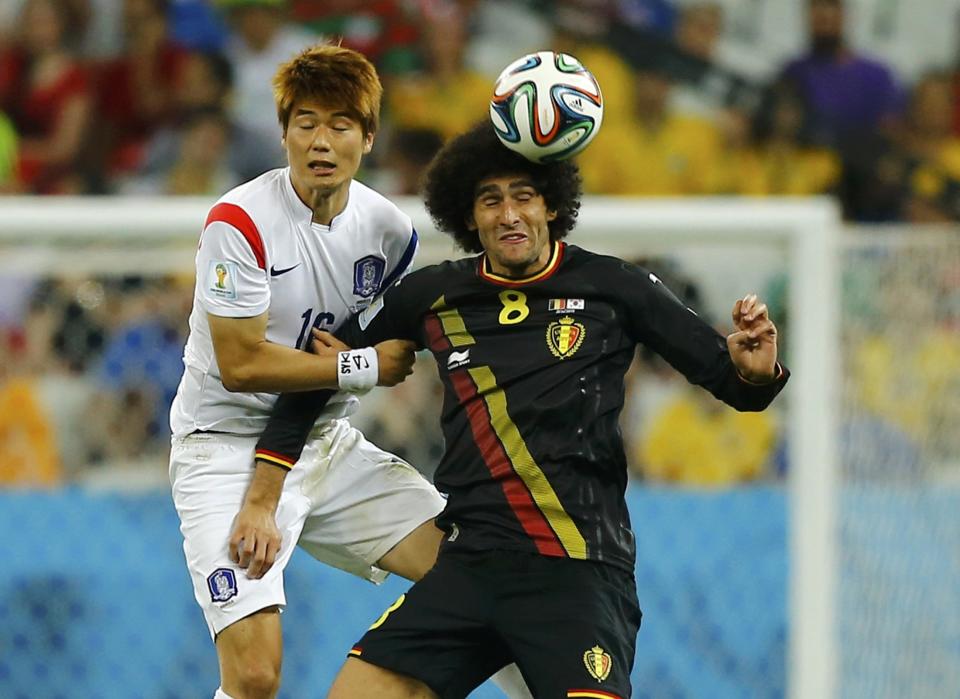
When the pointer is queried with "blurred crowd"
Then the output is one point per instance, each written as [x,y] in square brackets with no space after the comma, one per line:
[858,99]
[855,98]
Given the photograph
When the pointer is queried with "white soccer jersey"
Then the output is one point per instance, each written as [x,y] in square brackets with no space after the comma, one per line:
[260,251]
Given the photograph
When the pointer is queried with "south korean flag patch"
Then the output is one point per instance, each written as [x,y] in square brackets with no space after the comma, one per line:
[222,584]
[368,275]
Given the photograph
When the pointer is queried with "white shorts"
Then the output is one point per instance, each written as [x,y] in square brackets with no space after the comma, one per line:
[346,502]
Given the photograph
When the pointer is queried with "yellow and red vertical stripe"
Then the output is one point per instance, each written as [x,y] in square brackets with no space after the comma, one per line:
[502,447]
[445,328]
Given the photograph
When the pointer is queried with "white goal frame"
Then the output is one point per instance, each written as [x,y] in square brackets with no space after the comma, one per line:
[144,235]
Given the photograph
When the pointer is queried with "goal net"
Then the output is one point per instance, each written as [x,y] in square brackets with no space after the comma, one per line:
[898,537]
[812,553]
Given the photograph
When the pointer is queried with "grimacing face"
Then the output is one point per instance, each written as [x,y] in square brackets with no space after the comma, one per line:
[324,147]
[511,217]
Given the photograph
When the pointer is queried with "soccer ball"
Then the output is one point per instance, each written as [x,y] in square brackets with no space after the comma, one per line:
[546,106]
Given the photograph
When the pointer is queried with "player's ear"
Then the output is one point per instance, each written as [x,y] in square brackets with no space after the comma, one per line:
[471,222]
[368,142]
[551,214]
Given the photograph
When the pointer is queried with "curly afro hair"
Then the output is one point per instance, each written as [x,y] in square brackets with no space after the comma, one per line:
[452,178]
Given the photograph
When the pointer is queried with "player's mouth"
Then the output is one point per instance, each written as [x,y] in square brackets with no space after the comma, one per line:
[322,168]
[513,238]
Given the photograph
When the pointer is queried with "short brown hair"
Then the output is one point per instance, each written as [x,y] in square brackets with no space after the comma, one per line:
[331,75]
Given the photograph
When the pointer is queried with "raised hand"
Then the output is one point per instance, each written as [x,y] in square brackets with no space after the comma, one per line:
[753,345]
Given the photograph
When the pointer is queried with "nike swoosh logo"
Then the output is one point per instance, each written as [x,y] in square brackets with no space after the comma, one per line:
[274,272]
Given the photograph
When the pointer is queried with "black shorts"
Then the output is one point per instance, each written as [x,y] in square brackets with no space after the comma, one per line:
[570,626]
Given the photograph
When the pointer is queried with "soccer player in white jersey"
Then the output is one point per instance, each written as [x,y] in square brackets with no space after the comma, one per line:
[296,249]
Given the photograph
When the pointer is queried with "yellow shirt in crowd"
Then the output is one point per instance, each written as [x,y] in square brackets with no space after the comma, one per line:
[910,381]
[679,156]
[781,172]
[930,178]
[419,102]
[28,456]
[697,441]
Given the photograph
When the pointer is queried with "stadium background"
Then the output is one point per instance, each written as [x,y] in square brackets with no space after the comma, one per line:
[718,99]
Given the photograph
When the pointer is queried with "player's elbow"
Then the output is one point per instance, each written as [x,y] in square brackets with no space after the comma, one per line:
[237,379]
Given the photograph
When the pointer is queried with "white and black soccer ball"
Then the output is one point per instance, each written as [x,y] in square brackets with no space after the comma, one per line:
[546,106]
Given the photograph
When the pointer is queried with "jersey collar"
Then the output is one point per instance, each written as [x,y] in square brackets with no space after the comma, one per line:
[556,256]
[303,213]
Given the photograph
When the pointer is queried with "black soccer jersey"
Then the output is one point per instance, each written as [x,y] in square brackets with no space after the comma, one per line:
[533,374]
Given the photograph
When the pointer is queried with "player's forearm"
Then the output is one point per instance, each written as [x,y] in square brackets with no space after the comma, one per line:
[266,486]
[745,396]
[271,368]
[286,433]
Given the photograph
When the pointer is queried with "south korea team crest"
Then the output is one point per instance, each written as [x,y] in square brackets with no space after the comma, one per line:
[222,584]
[565,336]
[598,663]
[368,275]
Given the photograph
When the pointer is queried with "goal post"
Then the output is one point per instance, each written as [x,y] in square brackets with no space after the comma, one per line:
[158,235]
[810,231]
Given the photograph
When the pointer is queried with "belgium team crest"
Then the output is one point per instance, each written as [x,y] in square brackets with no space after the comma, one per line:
[565,336]
[598,662]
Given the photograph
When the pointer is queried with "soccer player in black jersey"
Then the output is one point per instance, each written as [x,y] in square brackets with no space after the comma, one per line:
[532,339]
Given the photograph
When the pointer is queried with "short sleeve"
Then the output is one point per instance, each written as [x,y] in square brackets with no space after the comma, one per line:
[395,314]
[231,276]
[405,261]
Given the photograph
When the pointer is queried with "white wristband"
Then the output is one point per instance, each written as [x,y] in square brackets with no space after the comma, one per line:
[357,370]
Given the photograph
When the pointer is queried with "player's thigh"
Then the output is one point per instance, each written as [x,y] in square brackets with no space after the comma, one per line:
[438,633]
[210,475]
[571,626]
[358,679]
[415,554]
[364,502]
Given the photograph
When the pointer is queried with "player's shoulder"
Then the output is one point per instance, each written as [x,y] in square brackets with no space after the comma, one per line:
[442,275]
[260,199]
[451,270]
[378,212]
[261,190]
[595,263]
[608,274]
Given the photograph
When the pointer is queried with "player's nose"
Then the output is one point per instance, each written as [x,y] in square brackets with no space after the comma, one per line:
[509,214]
[321,140]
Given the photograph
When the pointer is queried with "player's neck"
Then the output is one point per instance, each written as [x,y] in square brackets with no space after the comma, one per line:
[326,204]
[521,271]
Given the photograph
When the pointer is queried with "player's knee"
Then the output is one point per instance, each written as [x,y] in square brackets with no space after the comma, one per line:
[250,653]
[256,679]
